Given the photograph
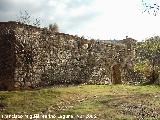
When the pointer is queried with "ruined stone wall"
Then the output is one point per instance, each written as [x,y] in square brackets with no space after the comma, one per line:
[46,58]
[7,57]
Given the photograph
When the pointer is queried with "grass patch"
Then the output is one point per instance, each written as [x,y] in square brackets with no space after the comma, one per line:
[103,101]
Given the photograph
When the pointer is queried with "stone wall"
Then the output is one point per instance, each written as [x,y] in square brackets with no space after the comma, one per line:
[7,57]
[41,57]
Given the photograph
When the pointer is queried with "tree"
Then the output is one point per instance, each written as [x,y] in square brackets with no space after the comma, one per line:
[150,7]
[25,18]
[149,50]
[54,27]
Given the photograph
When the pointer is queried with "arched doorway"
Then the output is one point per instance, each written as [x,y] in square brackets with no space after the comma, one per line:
[116,73]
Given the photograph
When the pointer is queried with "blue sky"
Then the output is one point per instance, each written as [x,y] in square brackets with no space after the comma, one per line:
[98,19]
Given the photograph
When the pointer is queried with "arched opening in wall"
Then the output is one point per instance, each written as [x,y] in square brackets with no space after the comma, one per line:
[116,73]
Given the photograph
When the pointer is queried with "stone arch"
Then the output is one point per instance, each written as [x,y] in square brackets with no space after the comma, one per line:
[116,73]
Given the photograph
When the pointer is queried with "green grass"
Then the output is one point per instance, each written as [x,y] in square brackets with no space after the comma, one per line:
[121,102]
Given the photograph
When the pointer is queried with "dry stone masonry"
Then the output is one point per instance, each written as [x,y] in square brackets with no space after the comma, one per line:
[31,57]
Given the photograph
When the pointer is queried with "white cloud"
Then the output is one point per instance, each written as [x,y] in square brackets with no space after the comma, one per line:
[103,19]
[119,19]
